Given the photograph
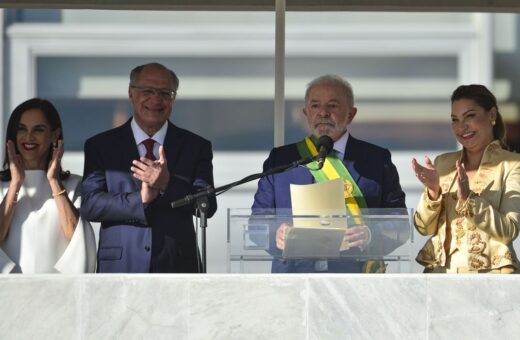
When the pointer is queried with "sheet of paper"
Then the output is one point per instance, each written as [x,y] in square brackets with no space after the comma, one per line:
[321,201]
[325,198]
[305,243]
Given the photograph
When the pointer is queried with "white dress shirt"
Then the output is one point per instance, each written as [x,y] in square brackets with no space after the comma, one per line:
[339,148]
[140,136]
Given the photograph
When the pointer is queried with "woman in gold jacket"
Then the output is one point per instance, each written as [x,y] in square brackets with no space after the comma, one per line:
[471,201]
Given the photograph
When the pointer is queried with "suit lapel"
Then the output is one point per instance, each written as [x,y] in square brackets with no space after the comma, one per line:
[127,143]
[448,175]
[173,143]
[352,155]
[127,148]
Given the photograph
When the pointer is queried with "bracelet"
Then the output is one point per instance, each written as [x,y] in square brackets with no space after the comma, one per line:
[59,193]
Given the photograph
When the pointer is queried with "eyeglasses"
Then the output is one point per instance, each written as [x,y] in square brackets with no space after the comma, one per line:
[150,91]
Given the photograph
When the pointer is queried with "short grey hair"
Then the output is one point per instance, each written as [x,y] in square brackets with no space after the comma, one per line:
[334,80]
[134,74]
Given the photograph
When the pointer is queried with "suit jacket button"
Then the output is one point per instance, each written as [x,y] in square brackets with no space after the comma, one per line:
[147,248]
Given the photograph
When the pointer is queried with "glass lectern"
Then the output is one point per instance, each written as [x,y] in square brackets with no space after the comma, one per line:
[318,239]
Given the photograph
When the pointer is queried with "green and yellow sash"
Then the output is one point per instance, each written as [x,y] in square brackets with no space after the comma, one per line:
[333,168]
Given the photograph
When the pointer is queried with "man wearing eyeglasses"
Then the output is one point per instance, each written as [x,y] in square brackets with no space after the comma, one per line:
[370,178]
[133,172]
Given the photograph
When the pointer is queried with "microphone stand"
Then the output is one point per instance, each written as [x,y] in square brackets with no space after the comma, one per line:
[200,198]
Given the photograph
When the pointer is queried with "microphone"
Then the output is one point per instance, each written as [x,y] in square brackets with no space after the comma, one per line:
[324,146]
[204,189]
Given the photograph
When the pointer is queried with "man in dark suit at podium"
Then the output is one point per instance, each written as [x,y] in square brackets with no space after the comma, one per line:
[132,174]
[370,178]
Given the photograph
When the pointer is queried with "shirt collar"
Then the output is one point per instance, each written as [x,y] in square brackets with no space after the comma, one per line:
[140,135]
[341,144]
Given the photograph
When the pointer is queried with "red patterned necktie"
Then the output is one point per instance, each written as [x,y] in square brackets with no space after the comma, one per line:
[148,144]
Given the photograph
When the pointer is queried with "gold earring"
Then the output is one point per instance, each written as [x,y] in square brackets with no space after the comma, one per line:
[493,122]
[54,145]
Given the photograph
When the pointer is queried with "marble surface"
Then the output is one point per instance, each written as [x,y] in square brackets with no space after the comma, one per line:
[482,308]
[367,307]
[342,306]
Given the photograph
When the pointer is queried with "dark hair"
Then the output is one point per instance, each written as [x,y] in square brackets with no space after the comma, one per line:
[134,74]
[485,99]
[53,118]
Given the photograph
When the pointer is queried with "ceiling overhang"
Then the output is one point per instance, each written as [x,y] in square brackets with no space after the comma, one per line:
[269,5]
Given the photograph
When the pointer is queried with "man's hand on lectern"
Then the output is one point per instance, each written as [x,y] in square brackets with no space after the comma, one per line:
[280,235]
[357,236]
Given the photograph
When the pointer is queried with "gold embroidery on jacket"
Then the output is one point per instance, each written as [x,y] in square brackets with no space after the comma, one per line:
[460,232]
[478,262]
[441,256]
[481,252]
[497,259]
[476,245]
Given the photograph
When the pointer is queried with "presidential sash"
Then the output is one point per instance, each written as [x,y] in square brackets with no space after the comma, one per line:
[333,168]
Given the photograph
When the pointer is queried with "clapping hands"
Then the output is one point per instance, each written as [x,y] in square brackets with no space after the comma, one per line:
[428,176]
[154,175]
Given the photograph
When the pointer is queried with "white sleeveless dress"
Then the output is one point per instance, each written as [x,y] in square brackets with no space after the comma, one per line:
[35,242]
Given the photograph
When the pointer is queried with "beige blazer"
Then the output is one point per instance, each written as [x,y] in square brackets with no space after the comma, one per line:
[483,228]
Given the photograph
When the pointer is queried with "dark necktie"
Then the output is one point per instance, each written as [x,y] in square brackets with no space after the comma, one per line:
[148,144]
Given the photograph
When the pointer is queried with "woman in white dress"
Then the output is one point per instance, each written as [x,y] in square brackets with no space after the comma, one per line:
[41,230]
